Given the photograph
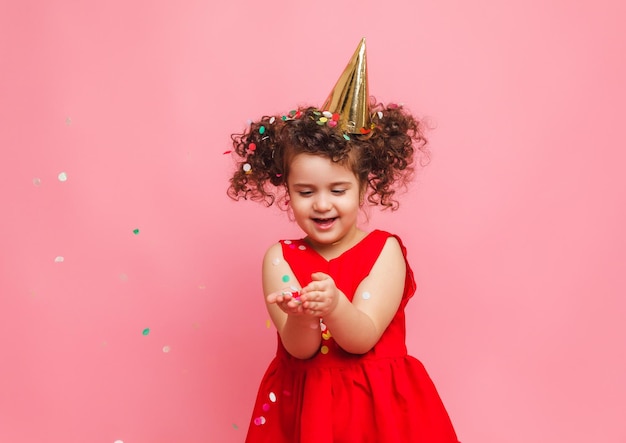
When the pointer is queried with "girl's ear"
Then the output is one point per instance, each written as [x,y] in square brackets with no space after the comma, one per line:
[362,195]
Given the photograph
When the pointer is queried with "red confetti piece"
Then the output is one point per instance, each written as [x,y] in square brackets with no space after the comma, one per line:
[227,152]
[252,146]
[365,131]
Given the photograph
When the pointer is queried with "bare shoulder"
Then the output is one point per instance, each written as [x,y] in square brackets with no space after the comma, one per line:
[275,251]
[390,263]
[392,249]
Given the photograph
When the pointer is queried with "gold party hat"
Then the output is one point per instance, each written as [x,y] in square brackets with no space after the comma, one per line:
[350,96]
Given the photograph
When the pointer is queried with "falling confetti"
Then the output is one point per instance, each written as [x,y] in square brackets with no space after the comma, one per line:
[259,421]
[366,295]
[59,259]
[201,286]
[37,181]
[235,427]
[166,349]
[272,397]
[62,176]
[123,277]
[324,349]
[285,278]
[268,324]
[135,231]
[146,331]
[276,261]
[68,121]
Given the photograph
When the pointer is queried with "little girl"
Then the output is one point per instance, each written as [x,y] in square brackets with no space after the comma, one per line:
[341,373]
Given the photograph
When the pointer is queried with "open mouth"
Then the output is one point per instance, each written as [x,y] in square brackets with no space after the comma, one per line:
[324,222]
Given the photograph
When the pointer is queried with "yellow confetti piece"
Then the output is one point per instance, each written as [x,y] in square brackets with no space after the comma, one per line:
[324,349]
[268,324]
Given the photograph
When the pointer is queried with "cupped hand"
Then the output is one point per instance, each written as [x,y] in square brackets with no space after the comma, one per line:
[321,296]
[287,300]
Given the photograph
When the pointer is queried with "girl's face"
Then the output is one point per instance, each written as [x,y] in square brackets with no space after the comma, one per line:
[325,199]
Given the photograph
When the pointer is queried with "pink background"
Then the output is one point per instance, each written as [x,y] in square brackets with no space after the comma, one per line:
[515,230]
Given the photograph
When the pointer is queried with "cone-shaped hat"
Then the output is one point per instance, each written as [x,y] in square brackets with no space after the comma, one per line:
[350,96]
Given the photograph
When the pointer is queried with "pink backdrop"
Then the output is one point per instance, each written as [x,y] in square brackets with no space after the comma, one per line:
[114,116]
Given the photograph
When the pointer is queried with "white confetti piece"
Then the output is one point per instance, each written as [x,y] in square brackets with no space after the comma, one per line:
[37,181]
[59,259]
[166,349]
[366,295]
[62,176]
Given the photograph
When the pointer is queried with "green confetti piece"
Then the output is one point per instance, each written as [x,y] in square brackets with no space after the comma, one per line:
[135,231]
[346,136]
[145,331]
[262,130]
[235,427]
[285,278]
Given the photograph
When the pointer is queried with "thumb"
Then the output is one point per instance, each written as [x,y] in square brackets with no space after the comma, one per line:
[317,276]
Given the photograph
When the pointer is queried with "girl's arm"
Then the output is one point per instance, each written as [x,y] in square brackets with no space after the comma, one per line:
[299,331]
[358,326]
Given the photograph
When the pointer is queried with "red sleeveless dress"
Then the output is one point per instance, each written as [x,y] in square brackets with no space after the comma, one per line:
[383,396]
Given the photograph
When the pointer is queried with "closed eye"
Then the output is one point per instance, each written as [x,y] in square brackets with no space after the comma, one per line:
[338,191]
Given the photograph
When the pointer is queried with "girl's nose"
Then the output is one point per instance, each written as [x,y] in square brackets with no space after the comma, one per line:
[321,203]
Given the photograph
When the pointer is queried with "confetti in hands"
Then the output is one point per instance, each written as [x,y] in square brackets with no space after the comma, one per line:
[321,296]
[288,300]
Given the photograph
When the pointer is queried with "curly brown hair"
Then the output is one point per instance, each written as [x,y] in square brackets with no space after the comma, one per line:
[382,159]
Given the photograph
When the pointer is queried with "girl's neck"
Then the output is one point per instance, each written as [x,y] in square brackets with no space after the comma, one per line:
[334,250]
